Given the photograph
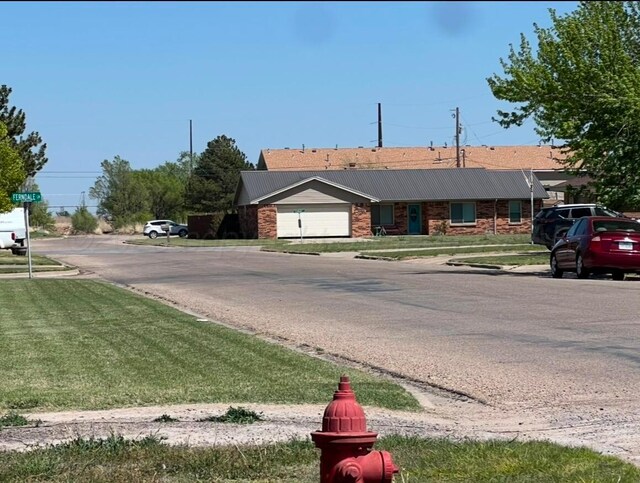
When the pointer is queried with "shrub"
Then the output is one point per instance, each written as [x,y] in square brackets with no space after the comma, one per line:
[83,222]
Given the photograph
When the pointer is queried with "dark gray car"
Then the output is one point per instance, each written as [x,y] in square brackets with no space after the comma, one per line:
[551,223]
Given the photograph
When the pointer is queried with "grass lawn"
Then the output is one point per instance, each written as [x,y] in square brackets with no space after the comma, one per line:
[120,461]
[7,258]
[82,344]
[431,252]
[344,245]
[404,242]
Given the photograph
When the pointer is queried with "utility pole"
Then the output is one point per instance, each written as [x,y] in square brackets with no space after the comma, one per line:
[190,147]
[457,137]
[379,125]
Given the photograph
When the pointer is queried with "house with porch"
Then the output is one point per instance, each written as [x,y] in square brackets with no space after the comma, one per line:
[356,203]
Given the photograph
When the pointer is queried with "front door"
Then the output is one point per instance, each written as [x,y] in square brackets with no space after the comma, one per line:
[415,220]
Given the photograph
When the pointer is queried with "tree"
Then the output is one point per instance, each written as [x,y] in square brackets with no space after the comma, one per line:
[213,182]
[30,147]
[118,194]
[12,173]
[82,221]
[165,191]
[583,87]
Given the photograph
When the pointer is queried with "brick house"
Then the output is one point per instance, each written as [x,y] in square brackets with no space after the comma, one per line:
[355,203]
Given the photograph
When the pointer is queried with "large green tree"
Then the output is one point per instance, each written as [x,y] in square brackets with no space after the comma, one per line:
[581,86]
[118,193]
[214,179]
[12,173]
[30,146]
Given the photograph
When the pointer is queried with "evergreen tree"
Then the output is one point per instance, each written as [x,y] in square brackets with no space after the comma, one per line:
[214,179]
[29,147]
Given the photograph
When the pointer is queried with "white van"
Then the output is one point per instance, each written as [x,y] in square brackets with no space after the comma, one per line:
[13,230]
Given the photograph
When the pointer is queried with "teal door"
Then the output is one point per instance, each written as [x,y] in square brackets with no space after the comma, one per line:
[415,219]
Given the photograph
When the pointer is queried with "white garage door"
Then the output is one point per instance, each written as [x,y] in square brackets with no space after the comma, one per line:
[317,220]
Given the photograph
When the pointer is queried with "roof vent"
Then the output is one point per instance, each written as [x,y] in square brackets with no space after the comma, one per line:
[286,148]
[360,147]
[352,165]
[492,148]
[313,150]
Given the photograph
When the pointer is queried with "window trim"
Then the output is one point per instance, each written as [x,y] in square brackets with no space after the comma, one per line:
[463,223]
[511,222]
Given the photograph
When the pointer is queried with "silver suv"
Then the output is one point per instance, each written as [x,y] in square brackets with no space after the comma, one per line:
[153,228]
[551,223]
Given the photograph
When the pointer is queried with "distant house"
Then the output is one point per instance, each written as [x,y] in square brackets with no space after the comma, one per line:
[542,160]
[357,202]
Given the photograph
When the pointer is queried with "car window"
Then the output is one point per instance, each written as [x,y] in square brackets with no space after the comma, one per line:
[580,227]
[616,225]
[601,211]
[573,230]
[562,213]
[580,212]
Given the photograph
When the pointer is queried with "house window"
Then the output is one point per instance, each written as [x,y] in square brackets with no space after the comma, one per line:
[515,212]
[463,213]
[382,214]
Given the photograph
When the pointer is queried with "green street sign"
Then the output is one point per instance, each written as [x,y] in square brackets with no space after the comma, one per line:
[30,197]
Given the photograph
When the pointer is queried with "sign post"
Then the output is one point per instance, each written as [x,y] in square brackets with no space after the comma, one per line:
[26,198]
[299,221]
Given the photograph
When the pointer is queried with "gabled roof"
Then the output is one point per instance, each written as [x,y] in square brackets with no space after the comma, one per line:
[543,158]
[310,179]
[403,185]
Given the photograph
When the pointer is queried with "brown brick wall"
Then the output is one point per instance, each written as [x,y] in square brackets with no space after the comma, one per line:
[360,220]
[439,212]
[400,218]
[261,221]
[425,218]
[267,222]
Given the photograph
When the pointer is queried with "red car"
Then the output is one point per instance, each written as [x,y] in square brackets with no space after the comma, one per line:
[598,244]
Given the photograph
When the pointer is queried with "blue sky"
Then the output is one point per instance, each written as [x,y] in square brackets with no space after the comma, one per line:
[100,79]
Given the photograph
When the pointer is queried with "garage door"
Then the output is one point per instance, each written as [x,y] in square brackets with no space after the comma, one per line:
[317,220]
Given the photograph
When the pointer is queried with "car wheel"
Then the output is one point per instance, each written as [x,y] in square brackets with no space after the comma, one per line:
[555,271]
[153,234]
[581,271]
[182,233]
[618,275]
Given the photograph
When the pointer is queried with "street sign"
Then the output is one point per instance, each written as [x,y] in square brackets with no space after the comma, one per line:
[29,197]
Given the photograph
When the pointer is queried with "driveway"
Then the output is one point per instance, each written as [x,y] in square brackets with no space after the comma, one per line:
[495,353]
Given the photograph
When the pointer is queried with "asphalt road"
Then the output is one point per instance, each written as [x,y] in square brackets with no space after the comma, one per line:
[523,346]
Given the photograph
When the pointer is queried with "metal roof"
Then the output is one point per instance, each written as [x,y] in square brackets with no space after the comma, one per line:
[406,185]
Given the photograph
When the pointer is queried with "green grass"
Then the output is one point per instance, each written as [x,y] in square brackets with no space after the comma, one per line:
[541,258]
[14,419]
[344,245]
[432,252]
[35,269]
[7,258]
[236,416]
[403,242]
[117,460]
[84,344]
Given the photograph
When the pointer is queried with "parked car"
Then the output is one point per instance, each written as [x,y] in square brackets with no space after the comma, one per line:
[551,223]
[598,244]
[153,228]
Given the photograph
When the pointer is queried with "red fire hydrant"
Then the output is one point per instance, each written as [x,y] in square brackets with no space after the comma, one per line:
[345,443]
